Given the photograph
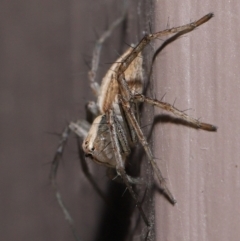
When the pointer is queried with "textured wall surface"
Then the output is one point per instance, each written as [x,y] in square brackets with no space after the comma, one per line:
[201,71]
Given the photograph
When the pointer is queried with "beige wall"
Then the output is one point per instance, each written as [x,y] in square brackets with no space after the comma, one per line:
[201,70]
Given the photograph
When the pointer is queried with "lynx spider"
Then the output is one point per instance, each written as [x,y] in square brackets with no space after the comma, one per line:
[115,128]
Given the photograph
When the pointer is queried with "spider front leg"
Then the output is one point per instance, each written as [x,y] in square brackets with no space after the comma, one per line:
[80,128]
[55,163]
[150,37]
[134,123]
[120,164]
[168,107]
[59,153]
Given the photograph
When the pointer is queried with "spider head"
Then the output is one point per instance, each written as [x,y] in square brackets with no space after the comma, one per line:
[97,145]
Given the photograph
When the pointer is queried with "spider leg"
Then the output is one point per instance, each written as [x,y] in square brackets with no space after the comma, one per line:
[148,38]
[166,106]
[55,163]
[59,153]
[126,137]
[120,167]
[112,175]
[97,51]
[80,128]
[92,111]
[128,110]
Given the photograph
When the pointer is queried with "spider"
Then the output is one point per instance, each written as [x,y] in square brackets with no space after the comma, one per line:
[115,127]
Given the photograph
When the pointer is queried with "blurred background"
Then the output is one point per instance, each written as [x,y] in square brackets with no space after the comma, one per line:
[46,48]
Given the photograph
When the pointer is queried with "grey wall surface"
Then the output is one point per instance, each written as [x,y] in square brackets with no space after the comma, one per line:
[201,71]
[45,50]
